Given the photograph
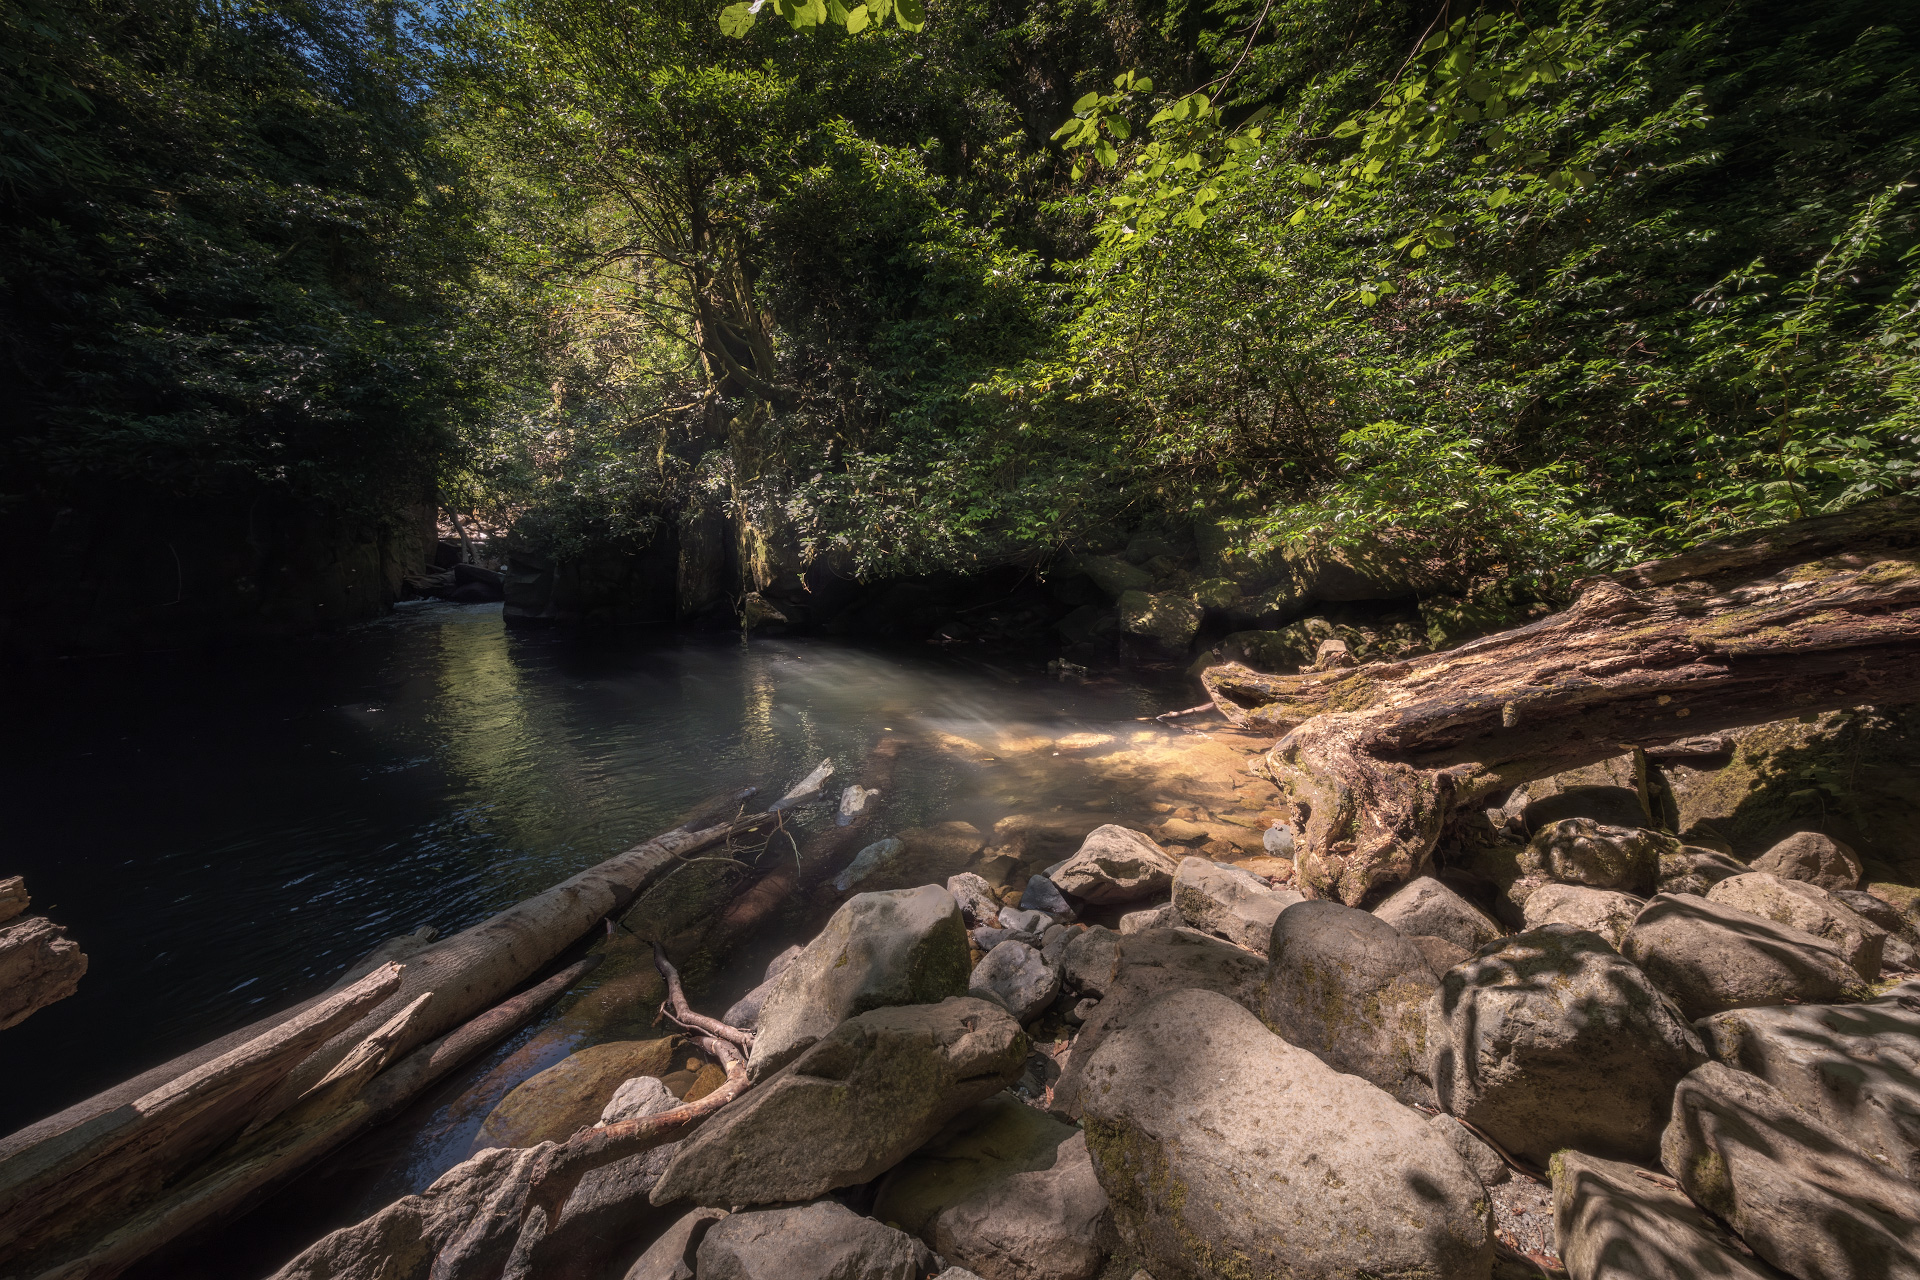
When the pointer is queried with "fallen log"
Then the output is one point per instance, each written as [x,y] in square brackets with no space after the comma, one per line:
[1808,617]
[39,964]
[466,974]
[251,1166]
[51,1190]
[488,1213]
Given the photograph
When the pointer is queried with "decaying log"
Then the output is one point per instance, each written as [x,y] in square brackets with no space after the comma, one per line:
[39,964]
[254,1164]
[1808,617]
[465,974]
[51,1189]
[487,1214]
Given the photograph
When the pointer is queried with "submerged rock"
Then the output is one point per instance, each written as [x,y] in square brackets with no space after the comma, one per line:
[869,860]
[1347,987]
[568,1096]
[904,946]
[745,1012]
[1006,1191]
[1227,1152]
[1552,1040]
[851,1106]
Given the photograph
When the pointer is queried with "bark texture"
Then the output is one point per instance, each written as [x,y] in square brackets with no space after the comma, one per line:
[39,964]
[1807,617]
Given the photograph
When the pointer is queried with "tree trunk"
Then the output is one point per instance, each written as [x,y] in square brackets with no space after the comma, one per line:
[1808,617]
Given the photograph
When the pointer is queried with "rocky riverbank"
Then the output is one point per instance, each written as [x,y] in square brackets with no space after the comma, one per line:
[1585,1046]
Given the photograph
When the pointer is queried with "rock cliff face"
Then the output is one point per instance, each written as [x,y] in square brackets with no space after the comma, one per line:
[150,574]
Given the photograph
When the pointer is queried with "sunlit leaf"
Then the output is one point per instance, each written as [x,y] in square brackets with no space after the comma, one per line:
[736,19]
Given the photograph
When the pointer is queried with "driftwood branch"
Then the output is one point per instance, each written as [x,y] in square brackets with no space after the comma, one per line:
[1808,617]
[677,1008]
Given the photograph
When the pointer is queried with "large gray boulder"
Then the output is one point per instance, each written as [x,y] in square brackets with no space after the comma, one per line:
[1711,957]
[1613,1223]
[745,1012]
[1350,989]
[1854,1067]
[1552,1040]
[851,1107]
[1006,1191]
[1582,851]
[1814,858]
[1795,1189]
[672,1255]
[903,946]
[1426,907]
[1603,911]
[1228,902]
[825,1241]
[1115,864]
[1017,976]
[1091,962]
[1227,1152]
[1809,908]
[1142,966]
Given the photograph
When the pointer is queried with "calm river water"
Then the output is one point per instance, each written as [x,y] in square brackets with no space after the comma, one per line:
[224,837]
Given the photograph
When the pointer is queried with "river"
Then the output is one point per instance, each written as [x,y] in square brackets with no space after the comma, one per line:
[223,836]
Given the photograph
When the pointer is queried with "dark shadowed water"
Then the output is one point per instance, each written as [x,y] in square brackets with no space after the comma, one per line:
[222,837]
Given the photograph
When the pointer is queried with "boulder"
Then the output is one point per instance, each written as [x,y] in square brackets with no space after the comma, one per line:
[1600,911]
[1165,620]
[1815,858]
[824,1241]
[976,898]
[1441,953]
[1853,1067]
[1710,957]
[1552,1040]
[1870,908]
[1160,917]
[636,1098]
[1227,1152]
[1350,989]
[671,1257]
[1278,841]
[1609,806]
[1091,962]
[1795,1189]
[1140,967]
[1054,943]
[1228,903]
[1481,1158]
[1006,1191]
[1025,921]
[1426,906]
[1809,908]
[869,860]
[850,1107]
[1582,851]
[1018,977]
[903,946]
[745,1012]
[1041,894]
[1115,864]
[1693,869]
[569,1096]
[1614,1221]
